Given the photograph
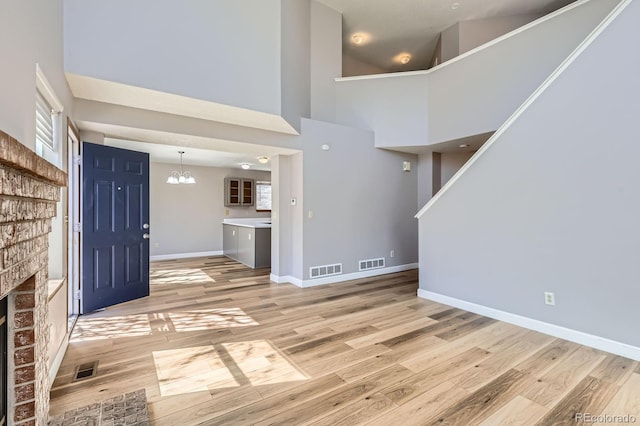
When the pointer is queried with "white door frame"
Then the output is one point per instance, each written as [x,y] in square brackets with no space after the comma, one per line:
[73,237]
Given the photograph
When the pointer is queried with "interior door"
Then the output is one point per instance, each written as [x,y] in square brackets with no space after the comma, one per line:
[115,226]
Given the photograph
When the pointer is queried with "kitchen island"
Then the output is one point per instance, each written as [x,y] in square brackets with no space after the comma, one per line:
[248,240]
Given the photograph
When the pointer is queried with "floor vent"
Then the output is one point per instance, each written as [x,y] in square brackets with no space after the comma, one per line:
[325,270]
[85,371]
[366,265]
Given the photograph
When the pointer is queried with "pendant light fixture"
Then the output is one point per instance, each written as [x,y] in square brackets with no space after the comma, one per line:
[180,177]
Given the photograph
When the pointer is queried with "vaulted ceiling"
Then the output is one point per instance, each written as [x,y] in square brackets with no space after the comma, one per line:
[413,26]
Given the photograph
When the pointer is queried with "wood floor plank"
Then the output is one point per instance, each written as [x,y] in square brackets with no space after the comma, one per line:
[414,412]
[614,369]
[591,395]
[481,403]
[351,393]
[560,380]
[439,372]
[255,412]
[217,343]
[517,412]
[627,401]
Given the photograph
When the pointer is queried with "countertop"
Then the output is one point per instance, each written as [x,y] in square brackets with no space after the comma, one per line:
[249,222]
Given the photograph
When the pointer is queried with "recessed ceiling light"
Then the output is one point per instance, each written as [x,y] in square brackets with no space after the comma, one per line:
[455,5]
[357,39]
[245,166]
[263,160]
[403,58]
[464,145]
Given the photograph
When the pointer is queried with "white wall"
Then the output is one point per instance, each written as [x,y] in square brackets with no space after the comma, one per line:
[326,60]
[450,163]
[296,60]
[450,43]
[353,66]
[280,215]
[31,32]
[393,106]
[555,203]
[154,49]
[476,32]
[188,218]
[361,201]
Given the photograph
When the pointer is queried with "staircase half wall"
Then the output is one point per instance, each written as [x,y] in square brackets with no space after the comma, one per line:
[471,94]
[550,204]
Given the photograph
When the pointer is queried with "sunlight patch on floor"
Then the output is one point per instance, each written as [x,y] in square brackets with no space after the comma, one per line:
[209,319]
[190,370]
[205,368]
[261,363]
[180,276]
[111,328]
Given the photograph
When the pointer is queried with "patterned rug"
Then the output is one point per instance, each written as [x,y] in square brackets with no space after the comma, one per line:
[129,409]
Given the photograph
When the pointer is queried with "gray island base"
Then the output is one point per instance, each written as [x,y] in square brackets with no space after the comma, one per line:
[248,241]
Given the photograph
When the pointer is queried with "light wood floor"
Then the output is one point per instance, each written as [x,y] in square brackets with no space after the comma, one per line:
[218,344]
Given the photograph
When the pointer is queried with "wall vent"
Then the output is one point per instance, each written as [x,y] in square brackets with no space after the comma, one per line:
[369,264]
[325,270]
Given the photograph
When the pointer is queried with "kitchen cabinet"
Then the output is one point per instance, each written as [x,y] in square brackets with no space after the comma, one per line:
[239,192]
[247,244]
[230,241]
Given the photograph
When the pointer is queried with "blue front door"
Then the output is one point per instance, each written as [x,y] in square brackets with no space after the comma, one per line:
[115,226]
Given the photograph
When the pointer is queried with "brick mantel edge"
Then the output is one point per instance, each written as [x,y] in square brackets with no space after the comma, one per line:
[29,191]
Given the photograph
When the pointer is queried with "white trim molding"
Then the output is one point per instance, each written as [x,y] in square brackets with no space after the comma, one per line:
[343,277]
[185,255]
[46,90]
[57,361]
[575,336]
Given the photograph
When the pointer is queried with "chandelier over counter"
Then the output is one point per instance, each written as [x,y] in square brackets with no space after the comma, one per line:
[180,177]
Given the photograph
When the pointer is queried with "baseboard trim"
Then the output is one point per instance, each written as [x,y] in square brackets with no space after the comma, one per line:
[612,346]
[343,277]
[286,279]
[57,361]
[186,255]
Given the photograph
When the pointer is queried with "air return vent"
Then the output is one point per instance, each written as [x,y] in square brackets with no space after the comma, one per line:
[85,371]
[325,270]
[366,265]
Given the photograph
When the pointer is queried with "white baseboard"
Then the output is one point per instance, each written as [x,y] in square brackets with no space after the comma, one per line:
[579,337]
[185,255]
[342,277]
[57,361]
[286,279]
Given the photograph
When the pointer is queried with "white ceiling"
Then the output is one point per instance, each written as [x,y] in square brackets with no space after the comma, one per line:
[413,26]
[160,153]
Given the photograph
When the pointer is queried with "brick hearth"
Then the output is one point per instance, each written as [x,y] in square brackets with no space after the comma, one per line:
[29,190]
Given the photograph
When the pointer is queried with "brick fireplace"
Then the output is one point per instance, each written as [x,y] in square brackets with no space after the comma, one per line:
[29,190]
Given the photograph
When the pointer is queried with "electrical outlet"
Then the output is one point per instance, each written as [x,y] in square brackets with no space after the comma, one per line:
[392,253]
[549,298]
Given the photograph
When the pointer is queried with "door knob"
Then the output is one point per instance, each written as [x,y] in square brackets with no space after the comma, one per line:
[145,226]
[145,236]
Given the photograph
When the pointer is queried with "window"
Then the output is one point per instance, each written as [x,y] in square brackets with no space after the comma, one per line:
[263,196]
[44,124]
[48,120]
